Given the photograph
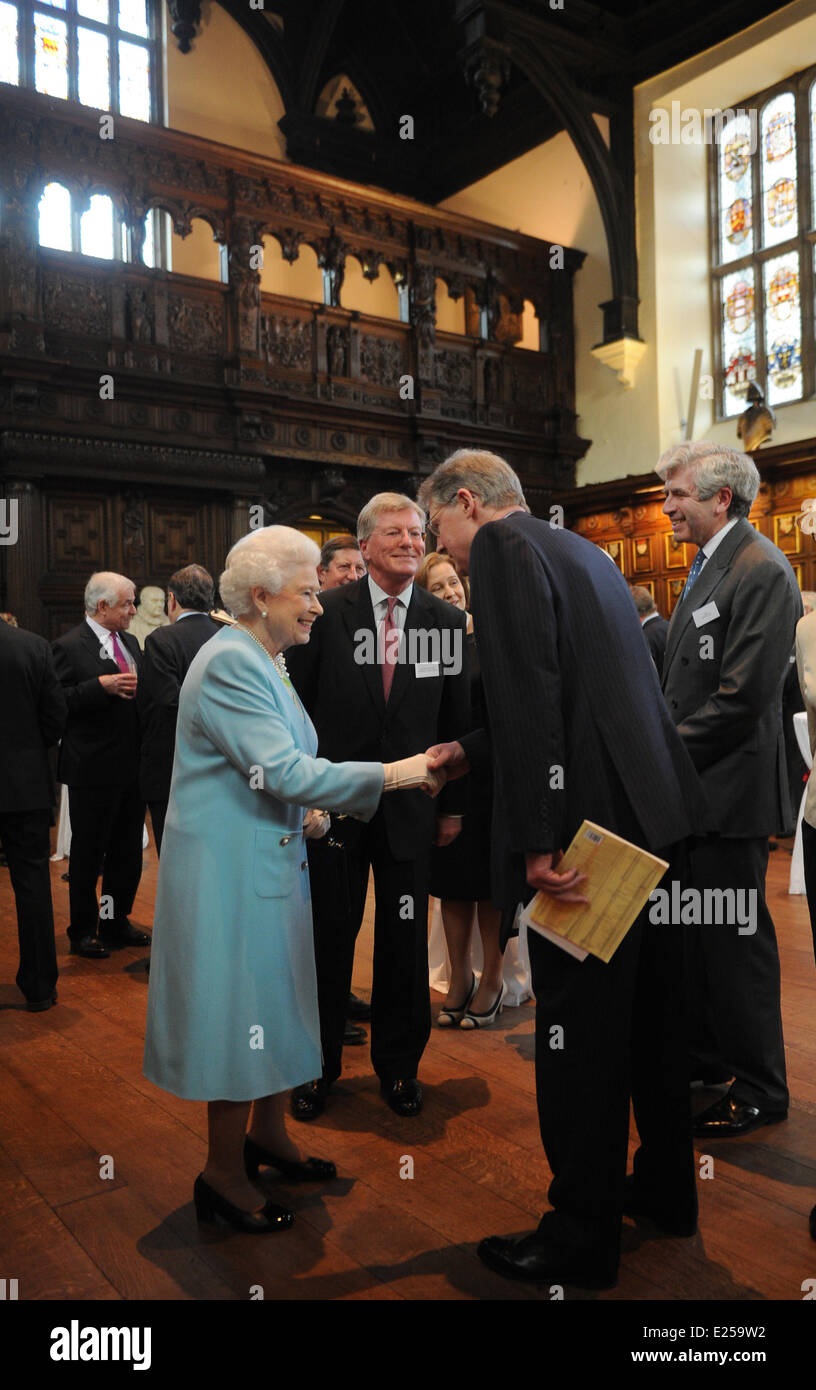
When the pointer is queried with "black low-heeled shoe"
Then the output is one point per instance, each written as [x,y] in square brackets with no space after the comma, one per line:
[209,1203]
[310,1170]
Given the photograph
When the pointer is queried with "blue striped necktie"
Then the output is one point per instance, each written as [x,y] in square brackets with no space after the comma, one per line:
[699,561]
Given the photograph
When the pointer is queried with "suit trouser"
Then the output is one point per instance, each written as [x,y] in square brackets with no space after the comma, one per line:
[158,814]
[106,828]
[623,1035]
[734,990]
[809,855]
[24,835]
[400,997]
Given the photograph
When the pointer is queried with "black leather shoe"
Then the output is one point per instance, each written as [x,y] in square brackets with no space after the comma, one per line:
[309,1100]
[538,1262]
[673,1222]
[209,1204]
[813,1224]
[728,1118]
[358,1009]
[39,1006]
[123,934]
[354,1036]
[310,1170]
[90,947]
[404,1097]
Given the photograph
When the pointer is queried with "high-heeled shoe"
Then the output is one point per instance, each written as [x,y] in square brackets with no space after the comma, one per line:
[472,1020]
[449,1018]
[209,1203]
[296,1170]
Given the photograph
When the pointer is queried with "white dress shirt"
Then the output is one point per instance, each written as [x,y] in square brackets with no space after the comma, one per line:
[106,642]
[379,599]
[711,546]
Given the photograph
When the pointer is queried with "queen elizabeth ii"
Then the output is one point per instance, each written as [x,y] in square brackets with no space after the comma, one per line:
[232,1014]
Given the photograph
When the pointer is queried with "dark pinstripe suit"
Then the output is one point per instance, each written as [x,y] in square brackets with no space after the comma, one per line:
[569,683]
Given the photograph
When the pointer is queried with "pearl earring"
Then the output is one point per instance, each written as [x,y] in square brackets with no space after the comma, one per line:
[263,613]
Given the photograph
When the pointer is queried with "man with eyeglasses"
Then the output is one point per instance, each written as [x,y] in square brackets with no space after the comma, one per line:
[370,682]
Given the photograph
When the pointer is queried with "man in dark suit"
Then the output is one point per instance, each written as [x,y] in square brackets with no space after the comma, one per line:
[97,663]
[32,718]
[384,674]
[340,563]
[166,660]
[727,656]
[578,730]
[653,627]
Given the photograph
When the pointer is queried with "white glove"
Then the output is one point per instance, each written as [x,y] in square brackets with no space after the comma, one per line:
[412,772]
[316,824]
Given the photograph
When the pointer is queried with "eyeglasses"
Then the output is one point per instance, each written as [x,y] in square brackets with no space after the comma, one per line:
[433,523]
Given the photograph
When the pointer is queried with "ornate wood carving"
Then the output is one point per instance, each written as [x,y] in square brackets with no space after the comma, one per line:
[229,390]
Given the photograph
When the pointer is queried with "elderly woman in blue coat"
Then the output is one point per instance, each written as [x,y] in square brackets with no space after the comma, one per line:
[232,1012]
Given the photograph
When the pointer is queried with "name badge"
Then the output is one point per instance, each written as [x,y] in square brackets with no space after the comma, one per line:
[426,668]
[706,614]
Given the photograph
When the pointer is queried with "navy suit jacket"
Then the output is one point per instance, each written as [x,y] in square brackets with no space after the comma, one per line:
[344,697]
[32,718]
[166,660]
[577,724]
[100,747]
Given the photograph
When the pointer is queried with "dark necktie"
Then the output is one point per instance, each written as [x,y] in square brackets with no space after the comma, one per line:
[699,561]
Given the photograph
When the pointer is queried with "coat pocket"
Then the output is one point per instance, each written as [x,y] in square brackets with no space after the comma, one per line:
[276,862]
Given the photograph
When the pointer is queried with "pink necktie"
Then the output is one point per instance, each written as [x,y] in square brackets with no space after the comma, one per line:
[119,656]
[390,649]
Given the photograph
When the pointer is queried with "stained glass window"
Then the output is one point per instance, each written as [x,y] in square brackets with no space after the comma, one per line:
[101,53]
[9,61]
[93,67]
[50,55]
[763,171]
[133,16]
[778,144]
[736,203]
[134,81]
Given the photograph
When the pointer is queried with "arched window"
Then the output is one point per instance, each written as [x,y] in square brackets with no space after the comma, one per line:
[762,196]
[98,231]
[101,53]
[55,220]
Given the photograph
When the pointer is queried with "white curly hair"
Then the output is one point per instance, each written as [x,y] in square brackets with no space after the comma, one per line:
[265,558]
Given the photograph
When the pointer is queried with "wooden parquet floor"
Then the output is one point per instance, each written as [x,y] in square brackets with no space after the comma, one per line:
[74,1105]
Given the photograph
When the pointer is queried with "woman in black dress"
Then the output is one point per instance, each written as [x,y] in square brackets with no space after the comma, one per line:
[460,873]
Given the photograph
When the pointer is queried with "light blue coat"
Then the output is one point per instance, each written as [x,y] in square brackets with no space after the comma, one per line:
[232,1006]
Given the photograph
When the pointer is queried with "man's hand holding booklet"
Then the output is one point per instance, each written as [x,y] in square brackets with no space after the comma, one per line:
[601,885]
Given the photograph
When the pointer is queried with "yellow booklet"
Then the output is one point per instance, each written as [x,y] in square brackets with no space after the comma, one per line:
[620,878]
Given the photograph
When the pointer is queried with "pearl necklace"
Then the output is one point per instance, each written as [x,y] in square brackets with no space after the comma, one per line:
[277,661]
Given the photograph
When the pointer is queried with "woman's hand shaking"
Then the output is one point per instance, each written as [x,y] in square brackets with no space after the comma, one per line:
[413,772]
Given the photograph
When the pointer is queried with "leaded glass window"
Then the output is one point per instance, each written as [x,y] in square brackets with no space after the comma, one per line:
[763,229]
[101,53]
